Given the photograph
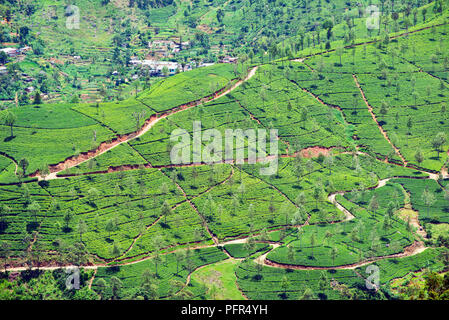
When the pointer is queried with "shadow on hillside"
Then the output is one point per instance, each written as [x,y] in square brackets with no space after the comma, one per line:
[3,226]
[112,270]
[32,226]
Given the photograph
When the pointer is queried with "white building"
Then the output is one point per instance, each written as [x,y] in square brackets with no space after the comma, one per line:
[25,49]
[157,67]
[12,52]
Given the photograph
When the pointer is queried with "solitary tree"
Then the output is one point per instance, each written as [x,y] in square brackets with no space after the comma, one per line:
[111,226]
[138,116]
[194,176]
[438,141]
[298,168]
[44,170]
[312,242]
[92,195]
[149,286]
[424,12]
[165,210]
[317,192]
[9,119]
[384,109]
[37,98]
[334,253]
[304,116]
[116,286]
[67,218]
[179,257]
[115,250]
[446,195]
[373,204]
[339,52]
[428,198]
[415,97]
[307,295]
[387,222]
[419,157]
[323,282]
[327,236]
[34,208]
[4,210]
[409,127]
[300,200]
[328,162]
[82,228]
[285,284]
[299,217]
[5,252]
[101,287]
[23,163]
[164,189]
[290,253]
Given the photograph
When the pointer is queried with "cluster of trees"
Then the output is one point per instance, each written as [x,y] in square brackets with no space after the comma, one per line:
[150,284]
[436,287]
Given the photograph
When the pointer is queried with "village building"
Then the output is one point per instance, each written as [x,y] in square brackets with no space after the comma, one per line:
[157,67]
[166,48]
[11,52]
[24,49]
[228,59]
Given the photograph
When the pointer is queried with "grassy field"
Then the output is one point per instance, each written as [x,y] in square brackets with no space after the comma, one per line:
[220,280]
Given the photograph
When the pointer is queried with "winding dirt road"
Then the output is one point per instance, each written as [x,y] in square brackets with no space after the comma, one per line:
[149,123]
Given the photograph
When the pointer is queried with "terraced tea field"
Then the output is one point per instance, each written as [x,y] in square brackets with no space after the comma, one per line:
[361,180]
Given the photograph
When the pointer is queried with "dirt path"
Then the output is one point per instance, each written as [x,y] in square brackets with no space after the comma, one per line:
[384,133]
[149,123]
[331,198]
[309,152]
[413,249]
[91,281]
[263,258]
[416,248]
[122,256]
[12,159]
[317,98]
[203,219]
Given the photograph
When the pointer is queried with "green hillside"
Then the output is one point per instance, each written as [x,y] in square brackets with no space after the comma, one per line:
[361,152]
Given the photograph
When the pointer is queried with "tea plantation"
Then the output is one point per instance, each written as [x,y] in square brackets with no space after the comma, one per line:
[361,180]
